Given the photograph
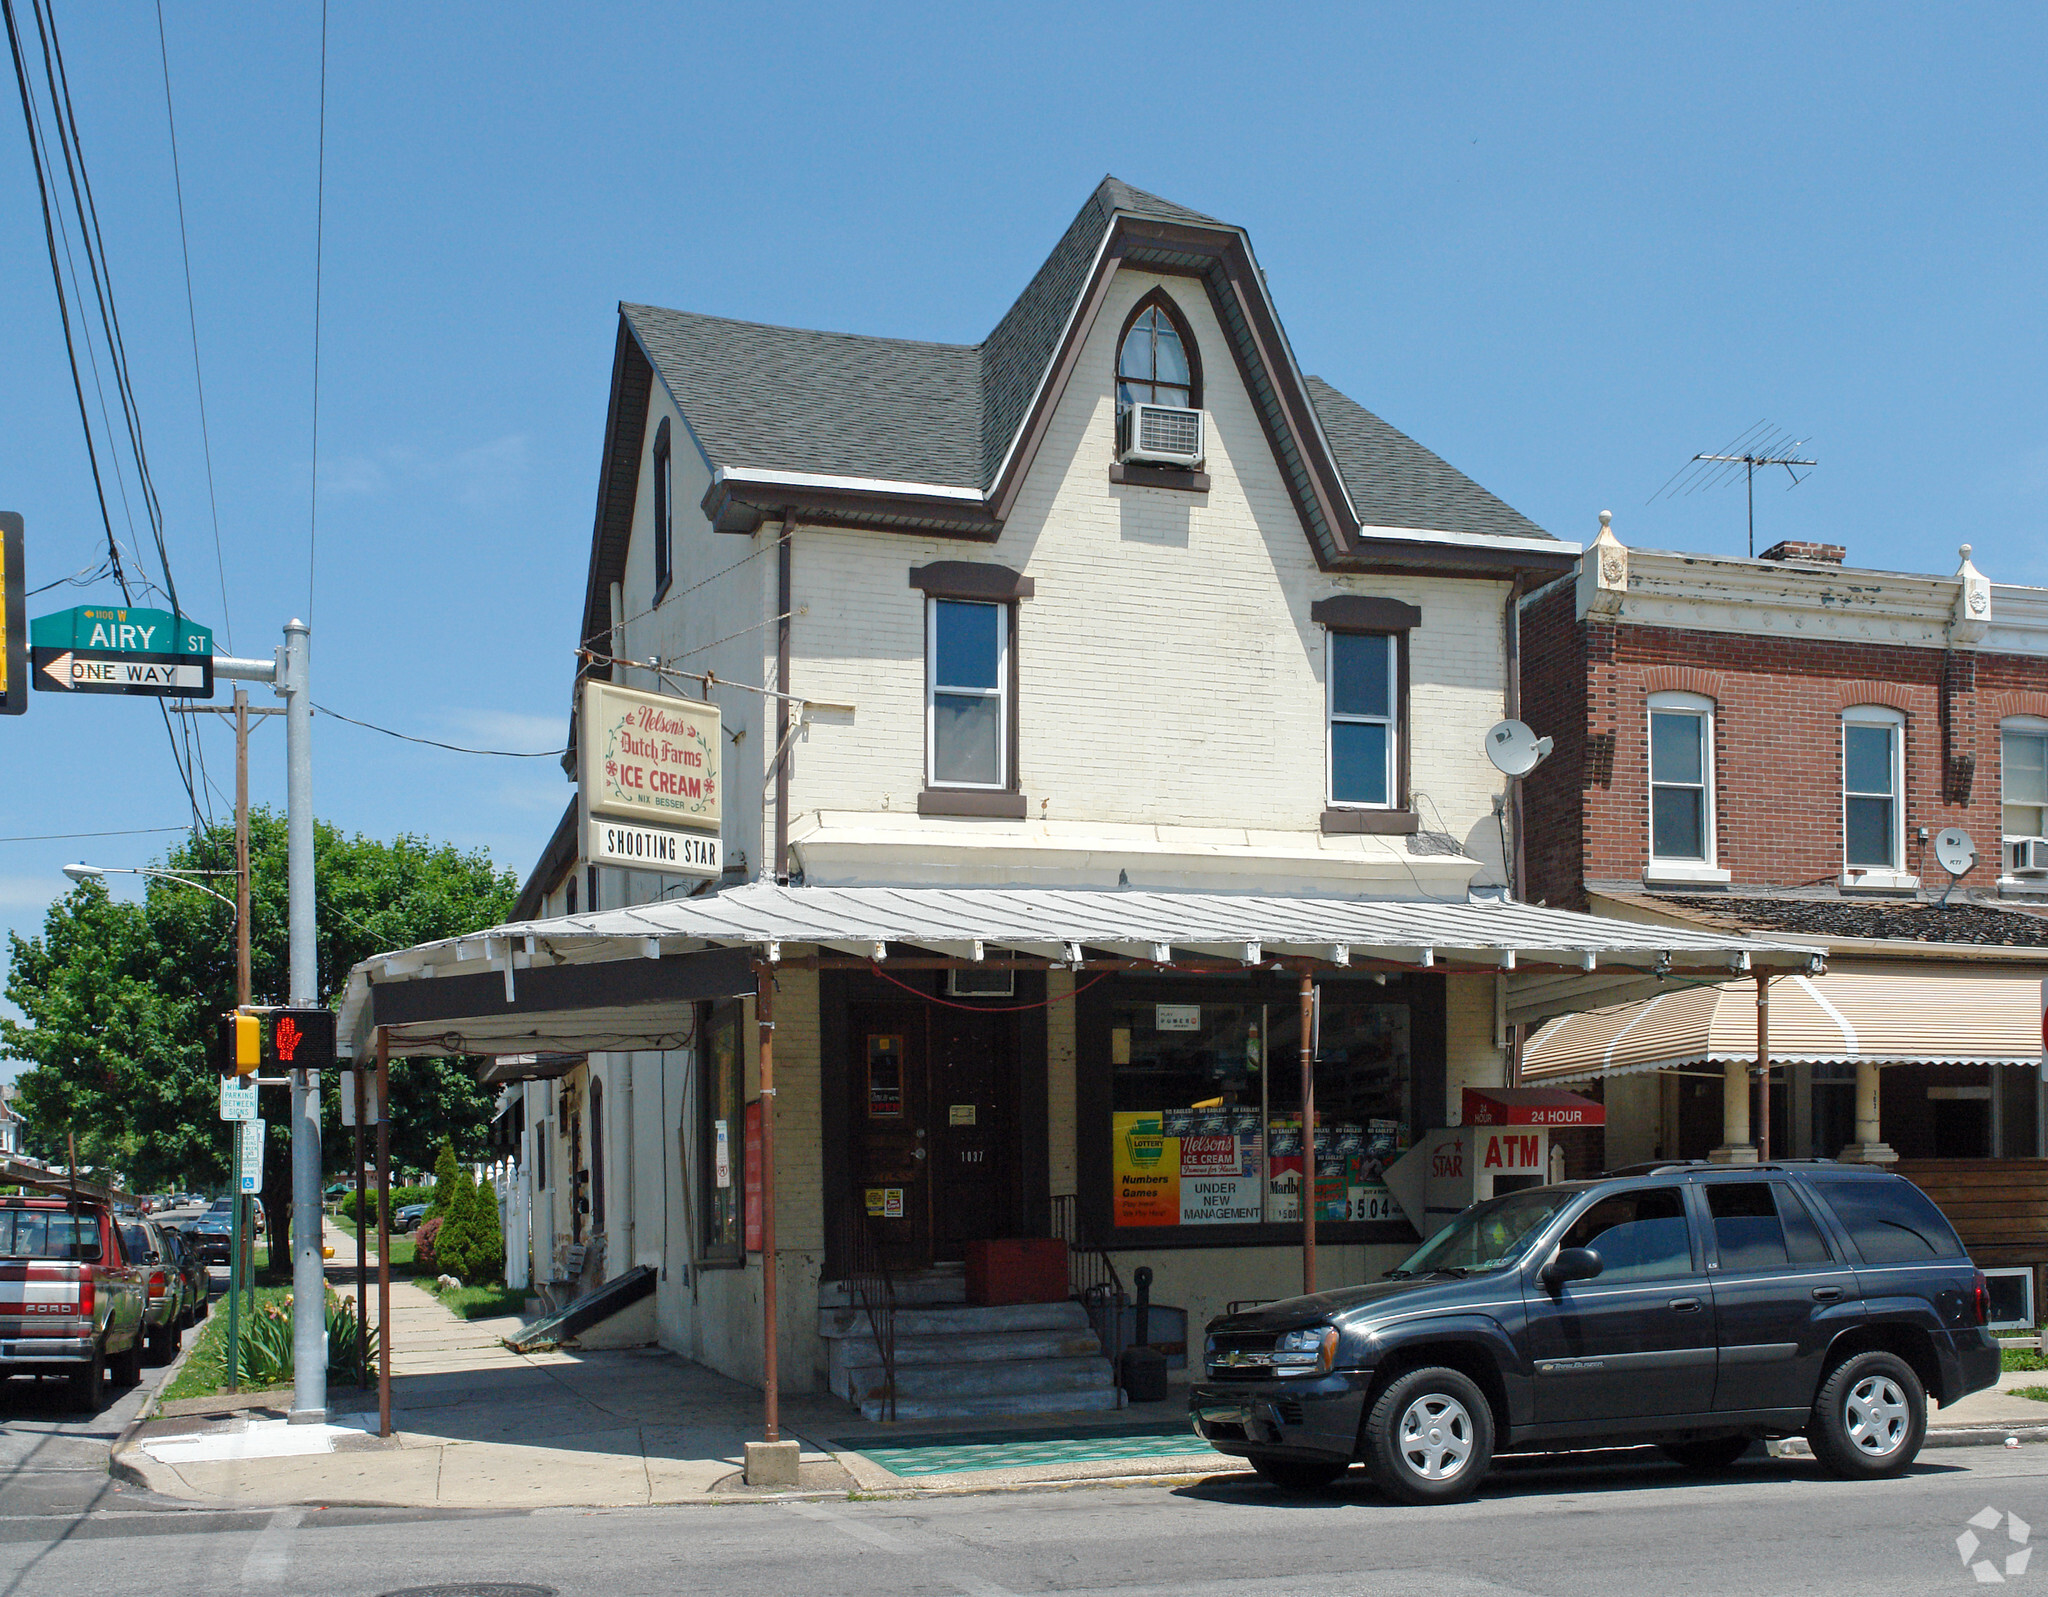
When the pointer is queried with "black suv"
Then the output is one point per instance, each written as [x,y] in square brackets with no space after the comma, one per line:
[1694,1306]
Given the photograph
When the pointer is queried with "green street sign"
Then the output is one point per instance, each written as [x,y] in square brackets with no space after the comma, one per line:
[99,648]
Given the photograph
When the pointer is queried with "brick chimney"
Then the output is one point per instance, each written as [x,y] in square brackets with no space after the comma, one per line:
[1812,554]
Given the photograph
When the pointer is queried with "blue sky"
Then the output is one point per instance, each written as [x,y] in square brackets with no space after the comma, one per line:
[1565,247]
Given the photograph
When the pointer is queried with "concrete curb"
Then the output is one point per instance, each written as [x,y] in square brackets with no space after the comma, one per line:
[1985,1435]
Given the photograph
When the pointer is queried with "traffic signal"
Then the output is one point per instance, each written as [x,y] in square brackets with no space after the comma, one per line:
[245,1049]
[13,618]
[276,1039]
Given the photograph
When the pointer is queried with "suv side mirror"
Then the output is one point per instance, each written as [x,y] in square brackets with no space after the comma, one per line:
[1571,1264]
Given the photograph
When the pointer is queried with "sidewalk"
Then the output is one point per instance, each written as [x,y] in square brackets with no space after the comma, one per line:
[477,1425]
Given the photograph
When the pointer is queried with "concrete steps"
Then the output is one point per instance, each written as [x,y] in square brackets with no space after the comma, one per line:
[954,1359]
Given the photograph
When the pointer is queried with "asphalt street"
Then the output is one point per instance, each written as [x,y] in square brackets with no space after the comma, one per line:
[1620,1524]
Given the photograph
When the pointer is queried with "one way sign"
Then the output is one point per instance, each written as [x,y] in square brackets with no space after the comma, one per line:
[161,676]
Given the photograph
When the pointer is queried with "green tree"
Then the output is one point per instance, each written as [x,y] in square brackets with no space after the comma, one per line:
[445,1173]
[120,999]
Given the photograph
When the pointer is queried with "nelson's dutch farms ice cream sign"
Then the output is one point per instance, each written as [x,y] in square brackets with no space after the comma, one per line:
[650,780]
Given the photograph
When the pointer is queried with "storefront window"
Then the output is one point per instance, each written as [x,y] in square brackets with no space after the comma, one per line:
[1206,1112]
[719,1096]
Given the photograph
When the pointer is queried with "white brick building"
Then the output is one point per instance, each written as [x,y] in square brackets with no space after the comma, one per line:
[1032,658]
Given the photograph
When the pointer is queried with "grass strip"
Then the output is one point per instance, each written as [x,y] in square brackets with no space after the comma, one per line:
[205,1371]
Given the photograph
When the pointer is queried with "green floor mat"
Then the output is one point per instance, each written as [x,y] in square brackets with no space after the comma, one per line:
[961,1451]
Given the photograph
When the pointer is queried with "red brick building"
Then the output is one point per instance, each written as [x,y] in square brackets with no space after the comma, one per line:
[1780,744]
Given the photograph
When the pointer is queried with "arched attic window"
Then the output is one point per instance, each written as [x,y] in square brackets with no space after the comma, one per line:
[1157,362]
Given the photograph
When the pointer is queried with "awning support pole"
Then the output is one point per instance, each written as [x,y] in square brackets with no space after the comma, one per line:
[764,1015]
[1308,1132]
[1763,1066]
[383,1231]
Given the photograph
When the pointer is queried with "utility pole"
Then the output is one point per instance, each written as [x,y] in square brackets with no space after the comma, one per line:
[309,1280]
[288,673]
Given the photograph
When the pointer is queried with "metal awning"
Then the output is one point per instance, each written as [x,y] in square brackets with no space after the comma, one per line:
[626,978]
[1876,1014]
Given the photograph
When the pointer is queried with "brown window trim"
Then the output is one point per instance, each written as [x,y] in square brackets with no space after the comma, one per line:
[1371,823]
[1142,476]
[1358,612]
[981,580]
[1164,301]
[976,803]
[664,515]
[1335,615]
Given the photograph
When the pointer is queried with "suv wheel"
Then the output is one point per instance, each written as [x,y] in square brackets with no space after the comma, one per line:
[1297,1475]
[1429,1437]
[1870,1417]
[1714,1453]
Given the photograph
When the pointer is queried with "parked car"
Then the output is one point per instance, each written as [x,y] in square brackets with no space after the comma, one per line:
[1697,1307]
[409,1217]
[83,1317]
[212,1234]
[198,1284]
[163,1313]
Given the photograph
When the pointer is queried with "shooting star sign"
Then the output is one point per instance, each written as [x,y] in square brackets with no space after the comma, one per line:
[114,649]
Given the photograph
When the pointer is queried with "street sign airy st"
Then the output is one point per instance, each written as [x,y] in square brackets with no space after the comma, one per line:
[114,649]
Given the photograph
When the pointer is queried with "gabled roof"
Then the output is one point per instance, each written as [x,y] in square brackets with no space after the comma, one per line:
[846,429]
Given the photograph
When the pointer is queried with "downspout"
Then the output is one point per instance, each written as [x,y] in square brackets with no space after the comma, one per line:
[1516,864]
[779,869]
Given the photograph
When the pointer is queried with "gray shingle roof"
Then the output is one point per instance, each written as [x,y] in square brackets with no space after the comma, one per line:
[790,399]
[1395,482]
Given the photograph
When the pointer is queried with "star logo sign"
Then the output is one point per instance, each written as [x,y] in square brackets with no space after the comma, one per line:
[1989,1571]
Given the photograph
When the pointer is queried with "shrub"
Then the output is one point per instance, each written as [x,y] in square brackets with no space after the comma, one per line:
[426,1244]
[470,1245]
[400,1197]
[447,1177]
[267,1357]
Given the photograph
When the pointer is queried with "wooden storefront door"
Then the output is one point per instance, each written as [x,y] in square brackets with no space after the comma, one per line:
[934,1111]
[974,1128]
[891,1151]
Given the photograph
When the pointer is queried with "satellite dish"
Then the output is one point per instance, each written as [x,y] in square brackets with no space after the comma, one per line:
[1954,850]
[1514,749]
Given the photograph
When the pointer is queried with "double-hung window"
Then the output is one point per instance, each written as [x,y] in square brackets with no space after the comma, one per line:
[2023,779]
[967,693]
[1873,788]
[1681,780]
[1364,682]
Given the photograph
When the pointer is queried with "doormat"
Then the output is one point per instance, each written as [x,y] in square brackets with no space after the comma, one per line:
[960,1451]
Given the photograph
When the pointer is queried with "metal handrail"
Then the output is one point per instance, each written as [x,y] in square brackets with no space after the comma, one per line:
[863,1268]
[1092,1277]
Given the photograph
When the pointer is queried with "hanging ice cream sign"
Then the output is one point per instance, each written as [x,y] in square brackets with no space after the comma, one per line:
[649,765]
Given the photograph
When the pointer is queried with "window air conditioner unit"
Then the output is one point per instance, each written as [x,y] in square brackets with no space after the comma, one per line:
[2029,855]
[1167,435]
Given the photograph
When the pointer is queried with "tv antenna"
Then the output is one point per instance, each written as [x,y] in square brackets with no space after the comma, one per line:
[1762,445]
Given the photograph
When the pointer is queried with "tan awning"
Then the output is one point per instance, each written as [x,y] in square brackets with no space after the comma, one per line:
[1882,1014]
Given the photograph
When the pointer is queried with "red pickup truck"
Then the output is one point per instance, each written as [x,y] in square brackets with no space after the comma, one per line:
[71,1304]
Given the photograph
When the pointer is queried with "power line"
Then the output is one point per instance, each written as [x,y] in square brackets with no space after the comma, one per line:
[435,743]
[65,837]
[192,319]
[319,241]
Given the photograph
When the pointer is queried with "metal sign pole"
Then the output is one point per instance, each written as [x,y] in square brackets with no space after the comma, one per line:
[235,1257]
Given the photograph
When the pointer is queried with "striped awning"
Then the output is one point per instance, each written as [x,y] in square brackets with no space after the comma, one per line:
[1880,1014]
